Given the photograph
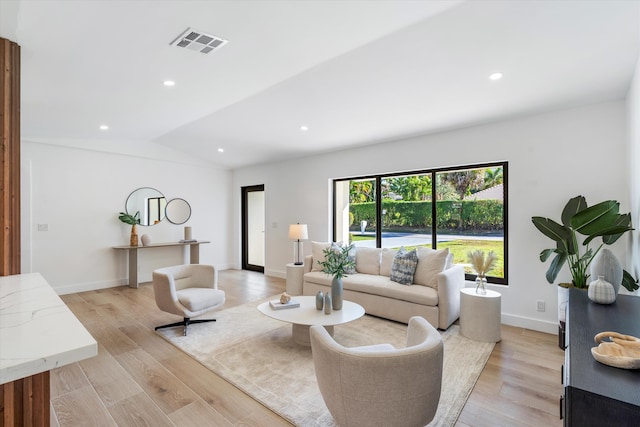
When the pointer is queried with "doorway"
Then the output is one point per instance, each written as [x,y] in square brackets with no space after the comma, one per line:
[253,221]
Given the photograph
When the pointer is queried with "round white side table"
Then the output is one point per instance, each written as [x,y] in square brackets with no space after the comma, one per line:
[480,315]
[295,276]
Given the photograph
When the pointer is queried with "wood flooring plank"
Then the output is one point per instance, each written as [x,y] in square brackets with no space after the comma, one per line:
[148,340]
[198,414]
[67,379]
[82,407]
[167,391]
[110,380]
[139,411]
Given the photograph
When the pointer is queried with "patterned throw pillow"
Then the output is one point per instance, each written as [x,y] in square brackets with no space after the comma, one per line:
[404,266]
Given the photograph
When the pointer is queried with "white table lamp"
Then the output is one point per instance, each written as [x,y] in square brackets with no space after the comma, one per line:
[297,233]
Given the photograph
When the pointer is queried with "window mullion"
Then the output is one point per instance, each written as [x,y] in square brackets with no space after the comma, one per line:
[434,219]
[379,211]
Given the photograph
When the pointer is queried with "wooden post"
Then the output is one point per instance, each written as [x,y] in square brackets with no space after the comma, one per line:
[24,402]
[10,157]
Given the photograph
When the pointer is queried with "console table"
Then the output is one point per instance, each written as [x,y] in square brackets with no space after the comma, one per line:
[194,255]
[596,394]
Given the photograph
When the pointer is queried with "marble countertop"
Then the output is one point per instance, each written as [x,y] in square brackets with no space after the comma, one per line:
[38,332]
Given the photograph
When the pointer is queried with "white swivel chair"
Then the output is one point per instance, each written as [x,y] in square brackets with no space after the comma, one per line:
[188,291]
[380,385]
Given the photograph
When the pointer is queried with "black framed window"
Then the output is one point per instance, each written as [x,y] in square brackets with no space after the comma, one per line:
[462,208]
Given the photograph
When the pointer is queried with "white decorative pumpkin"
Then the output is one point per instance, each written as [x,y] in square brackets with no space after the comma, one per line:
[601,291]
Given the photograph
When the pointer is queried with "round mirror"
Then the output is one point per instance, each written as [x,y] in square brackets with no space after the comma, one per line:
[178,211]
[149,202]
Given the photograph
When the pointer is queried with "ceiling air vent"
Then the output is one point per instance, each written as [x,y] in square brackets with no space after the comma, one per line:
[198,41]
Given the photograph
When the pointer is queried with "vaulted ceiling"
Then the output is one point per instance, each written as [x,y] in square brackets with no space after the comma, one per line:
[352,72]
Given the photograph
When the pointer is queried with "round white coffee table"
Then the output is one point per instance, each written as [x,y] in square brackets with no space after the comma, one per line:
[307,315]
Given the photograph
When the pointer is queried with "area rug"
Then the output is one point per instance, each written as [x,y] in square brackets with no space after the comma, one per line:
[257,355]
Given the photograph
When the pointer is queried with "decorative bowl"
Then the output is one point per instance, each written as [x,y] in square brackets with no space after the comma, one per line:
[622,351]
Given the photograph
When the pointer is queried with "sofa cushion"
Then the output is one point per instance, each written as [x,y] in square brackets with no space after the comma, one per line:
[387,260]
[368,260]
[449,262]
[317,250]
[430,263]
[379,285]
[404,266]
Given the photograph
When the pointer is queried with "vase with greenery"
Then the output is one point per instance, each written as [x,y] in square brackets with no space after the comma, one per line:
[337,263]
[596,226]
[133,221]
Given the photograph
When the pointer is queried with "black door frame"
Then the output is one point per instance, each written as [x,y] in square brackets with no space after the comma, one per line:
[245,227]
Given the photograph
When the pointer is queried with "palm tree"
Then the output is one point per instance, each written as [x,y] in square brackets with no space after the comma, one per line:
[464,181]
[492,177]
[361,191]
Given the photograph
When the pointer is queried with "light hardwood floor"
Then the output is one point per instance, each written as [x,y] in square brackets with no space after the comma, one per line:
[139,379]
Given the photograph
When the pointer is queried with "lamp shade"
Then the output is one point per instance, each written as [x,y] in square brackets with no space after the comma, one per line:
[298,232]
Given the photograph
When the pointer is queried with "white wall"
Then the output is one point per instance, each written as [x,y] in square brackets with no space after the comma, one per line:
[78,193]
[552,157]
[633,114]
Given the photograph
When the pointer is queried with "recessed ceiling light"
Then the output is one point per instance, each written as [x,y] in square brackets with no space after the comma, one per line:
[495,76]
[220,150]
[104,127]
[169,83]
[304,128]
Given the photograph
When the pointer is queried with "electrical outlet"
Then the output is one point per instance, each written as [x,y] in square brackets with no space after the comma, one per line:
[43,227]
[540,305]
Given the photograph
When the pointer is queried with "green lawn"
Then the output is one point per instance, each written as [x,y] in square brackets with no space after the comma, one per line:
[460,248]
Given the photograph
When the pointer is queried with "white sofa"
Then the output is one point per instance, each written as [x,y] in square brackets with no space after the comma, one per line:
[434,293]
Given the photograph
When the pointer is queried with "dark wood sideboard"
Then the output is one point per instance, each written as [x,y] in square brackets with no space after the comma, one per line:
[596,394]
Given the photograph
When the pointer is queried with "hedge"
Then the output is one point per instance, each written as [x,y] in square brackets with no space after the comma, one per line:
[480,215]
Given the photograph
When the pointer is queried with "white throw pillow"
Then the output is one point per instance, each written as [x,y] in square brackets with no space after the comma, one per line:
[317,251]
[387,260]
[368,260]
[430,263]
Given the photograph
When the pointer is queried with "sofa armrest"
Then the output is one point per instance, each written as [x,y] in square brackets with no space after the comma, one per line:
[308,262]
[450,282]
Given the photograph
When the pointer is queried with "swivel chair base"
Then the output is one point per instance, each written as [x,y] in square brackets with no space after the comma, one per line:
[185,322]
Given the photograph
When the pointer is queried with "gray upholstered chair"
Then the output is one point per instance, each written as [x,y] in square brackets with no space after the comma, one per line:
[188,291]
[380,385]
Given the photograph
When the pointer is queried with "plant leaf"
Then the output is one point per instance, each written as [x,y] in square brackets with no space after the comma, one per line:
[622,220]
[551,229]
[573,206]
[555,267]
[628,281]
[613,231]
[545,254]
[595,218]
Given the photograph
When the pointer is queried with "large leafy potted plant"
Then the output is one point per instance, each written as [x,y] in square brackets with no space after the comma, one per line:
[601,221]
[132,220]
[338,261]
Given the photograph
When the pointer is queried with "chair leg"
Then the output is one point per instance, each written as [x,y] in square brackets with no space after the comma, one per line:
[185,322]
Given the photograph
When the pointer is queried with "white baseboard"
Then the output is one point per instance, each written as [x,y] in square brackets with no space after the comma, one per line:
[91,286]
[276,273]
[528,323]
